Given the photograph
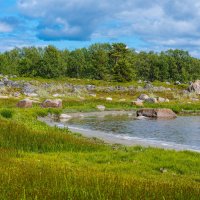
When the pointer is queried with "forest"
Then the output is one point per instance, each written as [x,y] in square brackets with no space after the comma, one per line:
[101,61]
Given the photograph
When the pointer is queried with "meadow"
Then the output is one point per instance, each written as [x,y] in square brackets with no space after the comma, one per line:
[42,162]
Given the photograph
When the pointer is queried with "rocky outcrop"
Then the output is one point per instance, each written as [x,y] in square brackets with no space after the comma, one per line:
[156,113]
[57,103]
[195,87]
[25,103]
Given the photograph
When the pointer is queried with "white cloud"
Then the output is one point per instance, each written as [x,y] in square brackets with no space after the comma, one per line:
[158,23]
[5,28]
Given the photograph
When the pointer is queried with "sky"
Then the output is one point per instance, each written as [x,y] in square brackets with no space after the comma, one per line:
[144,25]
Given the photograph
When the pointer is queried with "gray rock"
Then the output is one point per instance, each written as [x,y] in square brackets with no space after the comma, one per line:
[2,84]
[151,100]
[177,83]
[161,100]
[195,87]
[148,86]
[143,97]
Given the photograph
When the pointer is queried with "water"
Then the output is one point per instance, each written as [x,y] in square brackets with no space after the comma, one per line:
[182,132]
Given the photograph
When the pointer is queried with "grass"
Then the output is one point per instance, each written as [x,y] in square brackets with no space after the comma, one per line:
[42,162]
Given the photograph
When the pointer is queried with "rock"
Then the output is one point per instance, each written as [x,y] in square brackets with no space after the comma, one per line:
[148,86]
[93,95]
[16,94]
[168,83]
[141,117]
[90,87]
[138,103]
[194,99]
[156,113]
[140,89]
[143,97]
[108,99]
[65,116]
[163,170]
[101,107]
[167,100]
[26,103]
[57,103]
[140,81]
[31,94]
[195,87]
[161,100]
[2,84]
[151,100]
[177,83]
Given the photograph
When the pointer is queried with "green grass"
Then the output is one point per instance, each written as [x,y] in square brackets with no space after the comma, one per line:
[42,162]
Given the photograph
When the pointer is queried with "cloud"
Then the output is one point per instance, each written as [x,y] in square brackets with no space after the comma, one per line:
[85,19]
[5,28]
[9,24]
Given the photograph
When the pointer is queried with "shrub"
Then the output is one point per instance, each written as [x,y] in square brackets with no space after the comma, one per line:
[6,113]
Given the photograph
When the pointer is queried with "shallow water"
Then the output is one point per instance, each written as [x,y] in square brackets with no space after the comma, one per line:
[182,132]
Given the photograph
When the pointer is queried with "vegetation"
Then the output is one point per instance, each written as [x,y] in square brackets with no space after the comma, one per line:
[111,62]
[42,162]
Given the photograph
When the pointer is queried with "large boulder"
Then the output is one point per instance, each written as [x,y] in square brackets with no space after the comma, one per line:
[25,103]
[195,87]
[156,113]
[57,103]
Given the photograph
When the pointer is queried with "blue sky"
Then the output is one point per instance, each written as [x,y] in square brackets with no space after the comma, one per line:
[141,24]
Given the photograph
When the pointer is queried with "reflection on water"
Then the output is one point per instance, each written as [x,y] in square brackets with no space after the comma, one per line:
[182,130]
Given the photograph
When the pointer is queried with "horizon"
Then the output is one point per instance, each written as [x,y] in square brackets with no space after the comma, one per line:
[148,26]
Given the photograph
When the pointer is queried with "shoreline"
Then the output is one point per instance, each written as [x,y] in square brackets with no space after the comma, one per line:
[110,138]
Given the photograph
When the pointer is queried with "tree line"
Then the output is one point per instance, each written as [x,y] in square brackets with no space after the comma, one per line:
[110,62]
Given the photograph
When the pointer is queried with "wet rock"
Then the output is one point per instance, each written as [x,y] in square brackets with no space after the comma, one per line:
[156,113]
[57,103]
[26,103]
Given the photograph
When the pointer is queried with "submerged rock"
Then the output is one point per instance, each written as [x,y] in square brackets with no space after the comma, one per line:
[156,113]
